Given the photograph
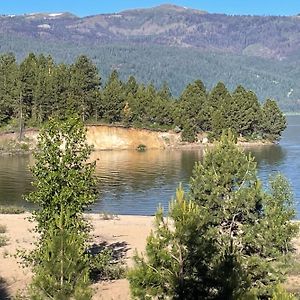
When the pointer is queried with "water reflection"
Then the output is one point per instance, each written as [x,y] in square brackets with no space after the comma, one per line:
[268,154]
[136,182]
[132,182]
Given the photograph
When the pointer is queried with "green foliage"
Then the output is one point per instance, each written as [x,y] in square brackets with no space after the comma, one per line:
[112,99]
[64,187]
[281,294]
[188,133]
[229,239]
[104,267]
[84,87]
[141,148]
[2,228]
[172,268]
[38,89]
[273,120]
[3,239]
[12,210]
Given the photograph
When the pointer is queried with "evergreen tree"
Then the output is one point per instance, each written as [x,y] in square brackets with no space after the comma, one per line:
[27,75]
[84,87]
[9,88]
[131,86]
[216,107]
[60,89]
[237,239]
[248,116]
[64,187]
[173,268]
[113,99]
[43,90]
[190,110]
[273,120]
[226,188]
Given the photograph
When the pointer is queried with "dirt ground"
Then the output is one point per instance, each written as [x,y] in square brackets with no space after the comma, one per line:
[129,230]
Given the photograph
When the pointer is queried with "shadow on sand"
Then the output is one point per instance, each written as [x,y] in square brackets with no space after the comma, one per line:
[3,290]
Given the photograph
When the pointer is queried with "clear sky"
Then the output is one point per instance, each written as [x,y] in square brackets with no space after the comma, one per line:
[92,7]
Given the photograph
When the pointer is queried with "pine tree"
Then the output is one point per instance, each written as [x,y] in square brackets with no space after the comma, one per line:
[27,75]
[173,267]
[64,187]
[43,90]
[226,187]
[9,88]
[84,87]
[216,109]
[113,99]
[228,239]
[190,110]
[273,120]
[60,85]
[246,112]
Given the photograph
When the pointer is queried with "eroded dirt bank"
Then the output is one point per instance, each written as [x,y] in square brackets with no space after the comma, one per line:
[103,137]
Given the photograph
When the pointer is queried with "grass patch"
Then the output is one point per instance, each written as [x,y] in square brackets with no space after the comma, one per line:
[107,216]
[2,228]
[12,210]
[3,240]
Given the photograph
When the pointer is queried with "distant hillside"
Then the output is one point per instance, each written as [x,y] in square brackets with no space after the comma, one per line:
[172,44]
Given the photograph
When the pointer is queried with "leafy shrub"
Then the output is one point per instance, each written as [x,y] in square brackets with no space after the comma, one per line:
[141,148]
[2,228]
[281,294]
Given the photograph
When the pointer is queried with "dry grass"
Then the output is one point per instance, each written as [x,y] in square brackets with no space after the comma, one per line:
[11,210]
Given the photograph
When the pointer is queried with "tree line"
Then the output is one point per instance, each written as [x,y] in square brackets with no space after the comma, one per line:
[38,88]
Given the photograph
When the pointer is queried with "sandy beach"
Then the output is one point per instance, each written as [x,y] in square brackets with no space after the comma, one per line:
[131,231]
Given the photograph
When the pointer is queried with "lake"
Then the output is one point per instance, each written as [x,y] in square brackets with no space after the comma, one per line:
[132,182]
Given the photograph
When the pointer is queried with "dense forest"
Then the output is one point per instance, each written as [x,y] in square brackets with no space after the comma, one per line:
[174,65]
[37,88]
[172,44]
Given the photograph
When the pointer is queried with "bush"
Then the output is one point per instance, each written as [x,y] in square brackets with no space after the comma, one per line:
[2,228]
[281,294]
[141,148]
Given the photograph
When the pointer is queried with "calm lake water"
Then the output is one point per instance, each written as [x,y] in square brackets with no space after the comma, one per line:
[132,182]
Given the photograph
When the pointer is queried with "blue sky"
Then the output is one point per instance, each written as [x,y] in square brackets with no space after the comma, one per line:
[90,7]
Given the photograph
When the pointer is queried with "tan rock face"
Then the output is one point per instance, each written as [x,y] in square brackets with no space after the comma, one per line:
[111,138]
[105,137]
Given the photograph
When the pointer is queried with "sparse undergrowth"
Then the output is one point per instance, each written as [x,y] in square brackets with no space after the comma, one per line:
[13,146]
[12,209]
[108,216]
[2,228]
[3,238]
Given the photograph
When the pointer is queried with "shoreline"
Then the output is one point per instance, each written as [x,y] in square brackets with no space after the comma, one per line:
[130,230]
[116,138]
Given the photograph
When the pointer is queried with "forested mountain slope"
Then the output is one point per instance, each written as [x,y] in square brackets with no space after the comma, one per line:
[172,44]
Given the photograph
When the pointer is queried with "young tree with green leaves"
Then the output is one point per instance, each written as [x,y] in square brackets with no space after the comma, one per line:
[64,187]
[233,240]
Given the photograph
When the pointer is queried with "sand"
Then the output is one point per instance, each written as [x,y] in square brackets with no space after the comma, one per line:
[129,230]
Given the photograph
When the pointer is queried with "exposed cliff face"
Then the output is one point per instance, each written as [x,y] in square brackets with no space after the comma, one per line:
[117,138]
[104,137]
